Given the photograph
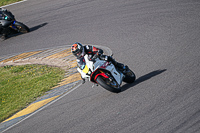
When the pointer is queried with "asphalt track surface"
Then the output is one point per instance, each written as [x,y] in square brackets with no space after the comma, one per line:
[158,40]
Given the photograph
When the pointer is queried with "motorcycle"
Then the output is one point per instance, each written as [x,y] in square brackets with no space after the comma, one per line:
[105,74]
[13,26]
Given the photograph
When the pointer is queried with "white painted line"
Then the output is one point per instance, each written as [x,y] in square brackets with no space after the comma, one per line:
[13,3]
[44,107]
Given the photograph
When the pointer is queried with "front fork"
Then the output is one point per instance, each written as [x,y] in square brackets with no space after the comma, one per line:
[14,27]
[101,73]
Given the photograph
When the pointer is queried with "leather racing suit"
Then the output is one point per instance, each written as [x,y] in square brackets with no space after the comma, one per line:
[92,51]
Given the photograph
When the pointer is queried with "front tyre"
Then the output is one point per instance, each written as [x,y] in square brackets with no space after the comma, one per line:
[110,85]
[21,27]
[129,76]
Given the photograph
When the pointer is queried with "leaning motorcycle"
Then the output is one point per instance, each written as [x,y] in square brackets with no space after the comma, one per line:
[105,74]
[13,25]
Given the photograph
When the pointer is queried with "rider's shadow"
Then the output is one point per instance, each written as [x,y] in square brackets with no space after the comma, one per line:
[13,34]
[143,78]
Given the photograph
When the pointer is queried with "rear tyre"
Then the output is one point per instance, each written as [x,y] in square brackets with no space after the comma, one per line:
[111,86]
[129,76]
[22,27]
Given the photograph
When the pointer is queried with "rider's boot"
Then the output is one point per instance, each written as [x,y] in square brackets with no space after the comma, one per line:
[4,33]
[123,68]
[3,36]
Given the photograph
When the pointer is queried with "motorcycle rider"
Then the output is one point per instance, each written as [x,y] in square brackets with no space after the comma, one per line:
[79,51]
[3,29]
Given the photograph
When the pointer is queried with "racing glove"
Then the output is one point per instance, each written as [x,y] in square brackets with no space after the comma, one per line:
[94,57]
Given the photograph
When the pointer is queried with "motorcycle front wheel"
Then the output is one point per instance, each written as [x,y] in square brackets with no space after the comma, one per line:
[129,76]
[21,27]
[108,84]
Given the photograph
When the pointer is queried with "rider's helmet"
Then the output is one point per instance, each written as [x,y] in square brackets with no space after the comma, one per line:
[77,49]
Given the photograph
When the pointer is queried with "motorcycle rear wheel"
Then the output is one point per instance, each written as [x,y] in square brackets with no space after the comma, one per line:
[111,86]
[22,27]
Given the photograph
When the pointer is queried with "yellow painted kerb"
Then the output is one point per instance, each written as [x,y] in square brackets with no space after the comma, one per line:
[31,108]
[61,54]
[21,56]
[72,78]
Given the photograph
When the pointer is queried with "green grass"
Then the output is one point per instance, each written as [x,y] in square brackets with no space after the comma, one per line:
[21,85]
[6,2]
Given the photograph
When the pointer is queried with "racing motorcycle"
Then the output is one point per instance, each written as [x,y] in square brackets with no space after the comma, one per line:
[105,74]
[13,26]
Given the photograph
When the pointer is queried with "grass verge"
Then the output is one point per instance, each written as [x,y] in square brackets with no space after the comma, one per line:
[21,85]
[6,2]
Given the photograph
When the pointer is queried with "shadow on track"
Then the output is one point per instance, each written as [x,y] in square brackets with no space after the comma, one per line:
[142,79]
[37,27]
[14,34]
